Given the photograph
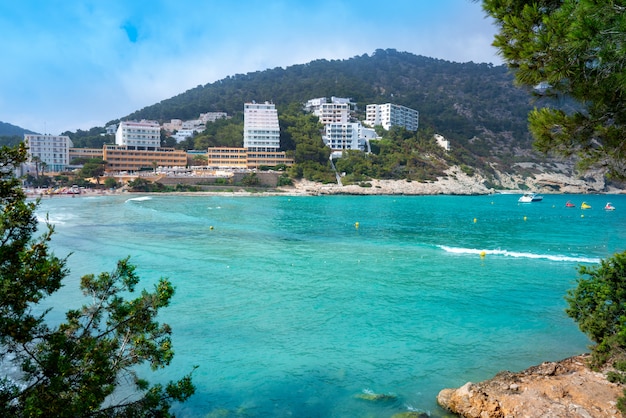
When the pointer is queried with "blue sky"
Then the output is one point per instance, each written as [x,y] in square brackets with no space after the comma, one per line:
[69,65]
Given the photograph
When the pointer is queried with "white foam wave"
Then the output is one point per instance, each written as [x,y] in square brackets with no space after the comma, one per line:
[139,199]
[505,253]
[53,220]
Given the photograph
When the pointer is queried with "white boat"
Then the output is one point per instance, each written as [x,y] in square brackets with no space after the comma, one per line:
[609,206]
[530,197]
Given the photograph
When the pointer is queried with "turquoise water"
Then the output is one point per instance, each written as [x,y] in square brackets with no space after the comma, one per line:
[289,309]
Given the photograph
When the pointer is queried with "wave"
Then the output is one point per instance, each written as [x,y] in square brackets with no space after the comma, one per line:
[505,253]
[139,199]
[53,220]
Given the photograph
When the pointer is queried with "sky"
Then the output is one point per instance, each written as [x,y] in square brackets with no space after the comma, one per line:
[78,64]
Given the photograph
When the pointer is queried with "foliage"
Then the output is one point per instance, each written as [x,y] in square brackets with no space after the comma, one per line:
[93,168]
[10,140]
[250,179]
[93,138]
[576,48]
[458,100]
[598,305]
[142,185]
[70,369]
[110,183]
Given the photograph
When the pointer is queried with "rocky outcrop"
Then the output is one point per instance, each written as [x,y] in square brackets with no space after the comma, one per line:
[458,182]
[563,389]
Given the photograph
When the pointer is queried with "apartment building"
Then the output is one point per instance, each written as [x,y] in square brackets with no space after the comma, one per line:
[227,157]
[337,110]
[85,153]
[389,114]
[143,135]
[260,127]
[124,158]
[348,136]
[52,150]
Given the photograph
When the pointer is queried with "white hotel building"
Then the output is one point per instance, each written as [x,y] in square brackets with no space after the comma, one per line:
[388,115]
[260,127]
[141,136]
[52,150]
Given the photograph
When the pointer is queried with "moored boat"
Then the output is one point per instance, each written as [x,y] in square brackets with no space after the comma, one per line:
[530,197]
[609,206]
[570,205]
[585,205]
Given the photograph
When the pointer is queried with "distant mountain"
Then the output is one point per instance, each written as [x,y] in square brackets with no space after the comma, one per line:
[6,129]
[475,106]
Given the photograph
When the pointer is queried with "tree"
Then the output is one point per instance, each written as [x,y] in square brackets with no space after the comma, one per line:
[598,305]
[94,168]
[70,370]
[572,49]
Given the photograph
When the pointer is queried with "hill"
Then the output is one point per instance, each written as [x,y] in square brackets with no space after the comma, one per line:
[6,129]
[475,106]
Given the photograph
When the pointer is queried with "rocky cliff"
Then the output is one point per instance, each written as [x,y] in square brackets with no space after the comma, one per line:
[563,389]
[539,179]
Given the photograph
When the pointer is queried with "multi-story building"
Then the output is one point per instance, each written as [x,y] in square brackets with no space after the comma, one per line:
[125,158]
[260,127]
[389,114]
[347,136]
[85,153]
[144,135]
[338,110]
[227,157]
[52,150]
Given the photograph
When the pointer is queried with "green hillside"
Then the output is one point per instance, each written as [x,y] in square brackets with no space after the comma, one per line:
[475,106]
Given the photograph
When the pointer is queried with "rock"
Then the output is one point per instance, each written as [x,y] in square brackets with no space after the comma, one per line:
[567,388]
[457,182]
[377,397]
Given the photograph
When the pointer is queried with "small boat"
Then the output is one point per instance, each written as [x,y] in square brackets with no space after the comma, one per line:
[530,197]
[609,206]
[585,205]
[570,205]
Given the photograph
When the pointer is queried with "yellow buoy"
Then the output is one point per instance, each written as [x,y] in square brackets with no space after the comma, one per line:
[525,218]
[474,220]
[356,225]
[211,227]
[483,254]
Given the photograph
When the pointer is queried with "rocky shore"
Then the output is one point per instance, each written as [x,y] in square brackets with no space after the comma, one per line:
[457,182]
[563,389]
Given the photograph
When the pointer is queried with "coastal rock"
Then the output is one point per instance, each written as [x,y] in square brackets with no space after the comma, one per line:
[563,389]
[458,182]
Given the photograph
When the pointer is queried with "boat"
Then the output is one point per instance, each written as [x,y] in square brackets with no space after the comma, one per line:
[570,205]
[530,197]
[585,205]
[609,206]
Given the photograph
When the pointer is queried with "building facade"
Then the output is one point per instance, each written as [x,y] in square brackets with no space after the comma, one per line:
[85,153]
[245,158]
[260,127]
[52,150]
[123,158]
[227,157]
[144,135]
[389,114]
[348,136]
[337,110]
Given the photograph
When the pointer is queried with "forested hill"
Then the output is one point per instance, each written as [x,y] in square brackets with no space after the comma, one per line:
[6,129]
[473,105]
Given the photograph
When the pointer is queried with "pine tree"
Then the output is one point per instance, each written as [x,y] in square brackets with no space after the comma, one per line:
[71,369]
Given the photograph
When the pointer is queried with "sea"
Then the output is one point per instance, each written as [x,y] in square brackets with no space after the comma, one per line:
[312,306]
